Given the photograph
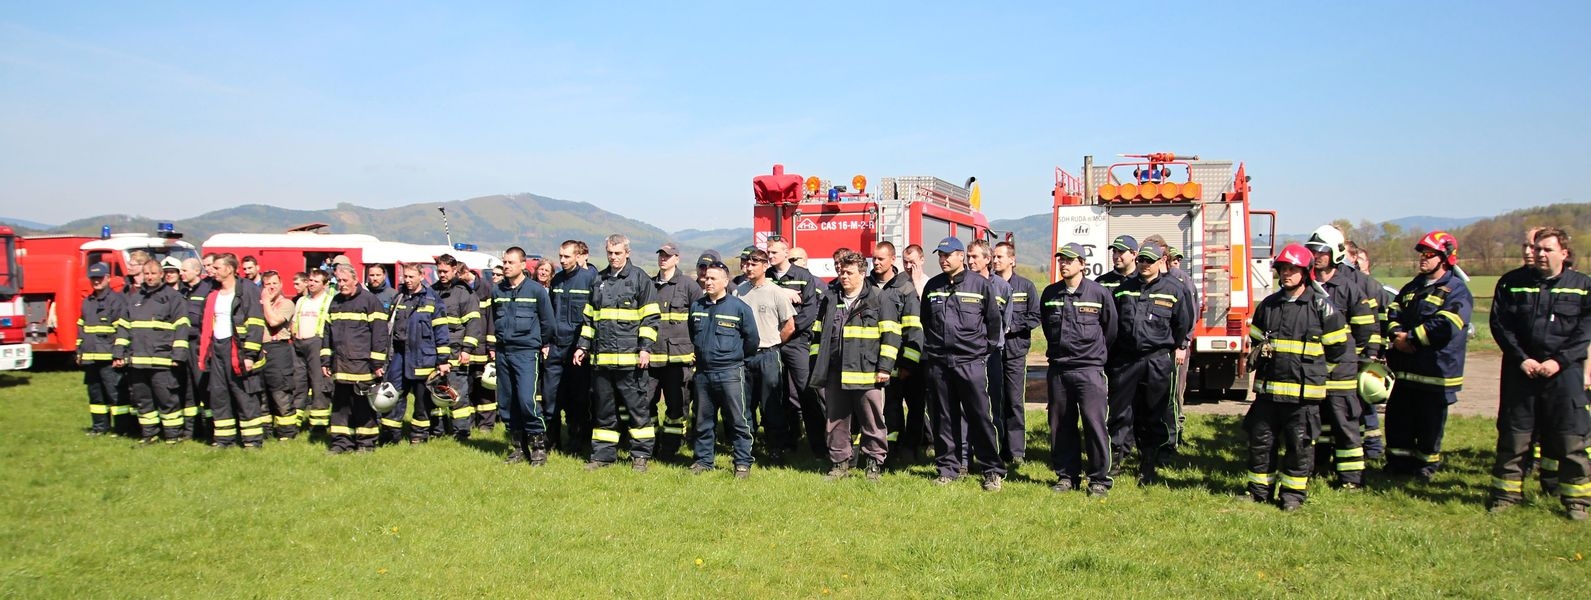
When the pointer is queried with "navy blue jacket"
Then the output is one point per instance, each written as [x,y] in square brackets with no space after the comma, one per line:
[1154,317]
[571,291]
[425,330]
[1024,317]
[723,332]
[522,315]
[1436,317]
[1080,326]
[961,318]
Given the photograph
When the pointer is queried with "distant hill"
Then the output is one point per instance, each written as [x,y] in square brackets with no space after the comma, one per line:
[24,224]
[1488,246]
[493,223]
[1031,234]
[1425,223]
[723,240]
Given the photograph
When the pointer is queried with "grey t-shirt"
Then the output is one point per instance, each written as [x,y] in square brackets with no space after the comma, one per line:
[772,307]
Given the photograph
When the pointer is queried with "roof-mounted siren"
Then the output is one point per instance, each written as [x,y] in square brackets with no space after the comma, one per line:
[463,247]
[104,232]
[777,188]
[167,230]
[1152,181]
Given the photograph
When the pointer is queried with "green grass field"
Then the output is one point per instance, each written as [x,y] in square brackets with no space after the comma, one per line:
[92,517]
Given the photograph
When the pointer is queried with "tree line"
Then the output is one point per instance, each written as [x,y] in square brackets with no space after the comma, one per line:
[1489,246]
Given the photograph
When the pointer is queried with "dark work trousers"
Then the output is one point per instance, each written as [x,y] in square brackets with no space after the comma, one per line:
[516,391]
[1339,446]
[803,409]
[1370,431]
[668,383]
[484,401]
[567,390]
[1551,412]
[234,399]
[103,382]
[1078,396]
[1141,411]
[1273,428]
[958,394]
[765,383]
[195,398]
[613,387]
[124,420]
[392,421]
[863,409]
[353,421]
[998,405]
[714,391]
[1013,411]
[155,402]
[314,393]
[458,419]
[280,389]
[1416,422]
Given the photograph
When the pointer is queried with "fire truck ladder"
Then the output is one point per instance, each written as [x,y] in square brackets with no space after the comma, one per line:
[892,222]
[1213,254]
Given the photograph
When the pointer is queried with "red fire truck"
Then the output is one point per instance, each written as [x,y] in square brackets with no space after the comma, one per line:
[56,283]
[1199,206]
[821,218]
[15,353]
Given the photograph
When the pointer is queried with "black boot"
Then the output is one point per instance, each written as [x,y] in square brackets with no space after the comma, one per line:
[538,450]
[516,448]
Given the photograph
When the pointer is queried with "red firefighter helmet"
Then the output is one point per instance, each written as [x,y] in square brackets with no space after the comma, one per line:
[1298,256]
[1443,242]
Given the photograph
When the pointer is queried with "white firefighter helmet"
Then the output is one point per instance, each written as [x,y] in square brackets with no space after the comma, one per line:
[441,393]
[489,376]
[1327,237]
[1375,382]
[383,397]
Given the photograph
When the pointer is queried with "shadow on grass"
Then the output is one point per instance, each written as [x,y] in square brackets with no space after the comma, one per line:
[8,380]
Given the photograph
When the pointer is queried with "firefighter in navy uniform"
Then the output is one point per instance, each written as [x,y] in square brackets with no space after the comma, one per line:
[522,311]
[1340,444]
[195,287]
[802,409]
[1298,338]
[671,363]
[483,402]
[1541,318]
[1123,250]
[1154,320]
[724,333]
[466,334]
[96,338]
[961,329]
[567,389]
[420,348]
[904,413]
[1024,318]
[1079,321]
[354,356]
[617,337]
[1427,321]
[151,341]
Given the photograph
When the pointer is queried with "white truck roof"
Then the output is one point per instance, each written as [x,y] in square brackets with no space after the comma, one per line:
[291,240]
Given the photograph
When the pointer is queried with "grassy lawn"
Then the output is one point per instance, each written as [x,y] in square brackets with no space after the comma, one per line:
[91,517]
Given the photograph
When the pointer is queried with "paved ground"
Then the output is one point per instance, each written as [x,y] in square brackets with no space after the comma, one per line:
[1479,396]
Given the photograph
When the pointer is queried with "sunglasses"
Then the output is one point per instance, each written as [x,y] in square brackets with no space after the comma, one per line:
[1427,254]
[1144,260]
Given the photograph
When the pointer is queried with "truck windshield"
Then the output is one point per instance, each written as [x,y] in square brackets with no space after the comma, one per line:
[161,252]
[10,267]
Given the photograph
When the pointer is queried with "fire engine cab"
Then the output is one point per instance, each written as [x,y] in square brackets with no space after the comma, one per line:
[57,282]
[15,353]
[821,218]
[1202,208]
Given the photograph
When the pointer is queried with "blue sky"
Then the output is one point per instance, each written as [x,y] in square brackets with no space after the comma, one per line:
[665,111]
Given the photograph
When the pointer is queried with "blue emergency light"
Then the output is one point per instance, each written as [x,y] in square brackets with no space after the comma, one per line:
[463,247]
[104,232]
[165,227]
[834,194]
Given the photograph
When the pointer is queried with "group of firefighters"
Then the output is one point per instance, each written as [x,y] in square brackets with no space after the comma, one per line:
[870,369]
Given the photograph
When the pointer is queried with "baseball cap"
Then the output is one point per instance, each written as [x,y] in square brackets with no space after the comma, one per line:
[1125,243]
[1150,251]
[1071,250]
[708,257]
[1174,252]
[746,252]
[170,263]
[671,249]
[949,245]
[98,270]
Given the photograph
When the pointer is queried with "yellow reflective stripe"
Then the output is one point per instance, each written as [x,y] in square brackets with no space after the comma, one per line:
[1281,388]
[1265,479]
[888,351]
[1298,347]
[97,356]
[889,327]
[349,316]
[649,333]
[673,316]
[1164,297]
[461,412]
[1570,291]
[1574,490]
[1428,380]
[912,354]
[969,295]
[367,431]
[860,332]
[99,328]
[424,370]
[470,340]
[353,377]
[393,423]
[123,342]
[618,359]
[1433,300]
[911,321]
[179,344]
[1508,486]
[445,321]
[650,309]
[618,314]
[1335,337]
[644,433]
[605,435]
[152,360]
[1349,452]
[587,332]
[1344,385]
[98,409]
[1256,333]
[378,356]
[1452,316]
[251,345]
[858,378]
[340,430]
[1363,320]
[938,294]
[1293,483]
[1419,333]
[162,325]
